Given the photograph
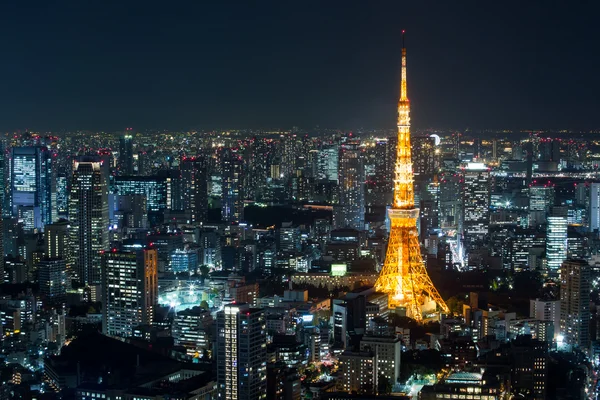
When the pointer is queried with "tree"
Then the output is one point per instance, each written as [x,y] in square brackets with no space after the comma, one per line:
[204,304]
[455,304]
[384,386]
[204,272]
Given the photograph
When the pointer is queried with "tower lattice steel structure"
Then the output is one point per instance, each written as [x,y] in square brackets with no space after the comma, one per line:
[403,275]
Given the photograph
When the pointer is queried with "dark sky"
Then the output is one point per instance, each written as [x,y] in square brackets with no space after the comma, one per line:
[105,65]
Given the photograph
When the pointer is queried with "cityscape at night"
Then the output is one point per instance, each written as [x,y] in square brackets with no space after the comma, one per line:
[317,201]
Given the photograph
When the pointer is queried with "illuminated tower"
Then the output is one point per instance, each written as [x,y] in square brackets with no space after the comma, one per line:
[403,276]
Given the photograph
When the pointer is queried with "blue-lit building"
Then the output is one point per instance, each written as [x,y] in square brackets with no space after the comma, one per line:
[184,260]
[31,186]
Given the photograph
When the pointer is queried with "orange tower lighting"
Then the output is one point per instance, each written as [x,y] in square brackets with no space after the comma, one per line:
[403,276]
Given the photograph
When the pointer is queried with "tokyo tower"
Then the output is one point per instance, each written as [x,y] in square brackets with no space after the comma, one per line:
[403,276]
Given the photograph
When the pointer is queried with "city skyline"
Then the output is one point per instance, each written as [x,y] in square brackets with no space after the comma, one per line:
[73,66]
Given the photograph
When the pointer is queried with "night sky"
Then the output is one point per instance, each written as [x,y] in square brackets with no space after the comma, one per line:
[209,64]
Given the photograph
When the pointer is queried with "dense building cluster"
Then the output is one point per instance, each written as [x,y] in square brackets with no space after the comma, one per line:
[247,261]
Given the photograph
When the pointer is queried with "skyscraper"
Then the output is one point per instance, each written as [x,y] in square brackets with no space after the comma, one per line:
[58,244]
[232,200]
[476,210]
[594,207]
[52,279]
[130,290]
[327,163]
[31,186]
[541,200]
[195,187]
[125,165]
[556,244]
[351,210]
[88,215]
[424,155]
[241,352]
[575,304]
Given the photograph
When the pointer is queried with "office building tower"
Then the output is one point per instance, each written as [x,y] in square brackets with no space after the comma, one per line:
[357,370]
[575,304]
[128,211]
[549,150]
[125,165]
[541,201]
[594,208]
[289,238]
[556,244]
[52,277]
[232,200]
[156,190]
[56,237]
[194,176]
[31,186]
[192,330]
[424,157]
[62,197]
[387,350]
[241,353]
[130,290]
[476,209]
[88,216]
[450,200]
[327,164]
[546,310]
[185,260]
[260,159]
[351,210]
[5,210]
[1,248]
[529,369]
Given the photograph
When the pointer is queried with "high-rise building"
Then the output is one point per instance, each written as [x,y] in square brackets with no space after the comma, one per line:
[261,156]
[52,279]
[529,368]
[195,187]
[556,244]
[192,330]
[387,350]
[476,210]
[130,290]
[424,156]
[594,207]
[541,201]
[156,190]
[31,186]
[88,216]
[56,237]
[185,260]
[575,304]
[232,200]
[546,310]
[4,186]
[1,248]
[351,210]
[125,165]
[327,163]
[357,370]
[289,238]
[241,352]
[62,197]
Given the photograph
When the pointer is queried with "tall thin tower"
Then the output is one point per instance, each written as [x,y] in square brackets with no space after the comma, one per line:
[403,276]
